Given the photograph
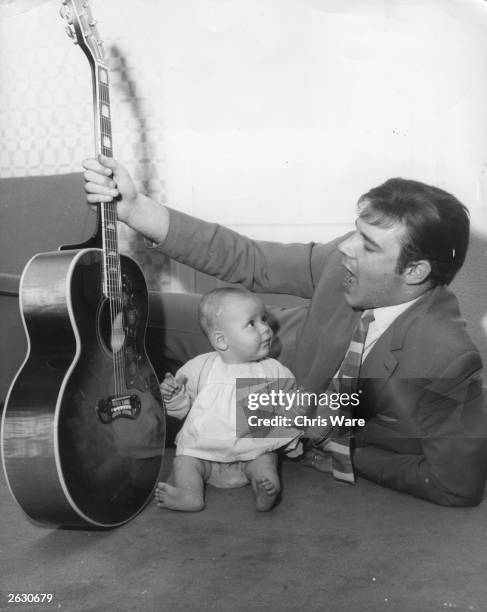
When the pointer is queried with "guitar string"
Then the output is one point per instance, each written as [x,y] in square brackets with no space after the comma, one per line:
[116,298]
[106,246]
[111,253]
[115,283]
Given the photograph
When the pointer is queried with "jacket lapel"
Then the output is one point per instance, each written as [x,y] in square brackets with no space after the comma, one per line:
[383,359]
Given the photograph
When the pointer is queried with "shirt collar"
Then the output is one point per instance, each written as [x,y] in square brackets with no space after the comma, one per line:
[385,315]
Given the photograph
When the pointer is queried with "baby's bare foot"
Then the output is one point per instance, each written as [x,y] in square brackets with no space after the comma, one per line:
[176,498]
[266,492]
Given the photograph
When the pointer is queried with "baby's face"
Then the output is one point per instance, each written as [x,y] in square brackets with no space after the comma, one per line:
[243,321]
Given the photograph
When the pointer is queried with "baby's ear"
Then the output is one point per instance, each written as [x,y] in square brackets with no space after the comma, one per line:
[218,340]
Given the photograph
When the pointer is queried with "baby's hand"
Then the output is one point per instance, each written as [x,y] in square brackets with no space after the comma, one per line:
[171,386]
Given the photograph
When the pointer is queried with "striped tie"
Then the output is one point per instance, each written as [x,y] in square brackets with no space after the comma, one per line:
[338,444]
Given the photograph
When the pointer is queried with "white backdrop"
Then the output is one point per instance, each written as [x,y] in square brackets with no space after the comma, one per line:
[271,116]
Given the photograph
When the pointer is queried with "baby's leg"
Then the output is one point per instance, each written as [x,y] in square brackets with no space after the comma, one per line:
[263,476]
[188,476]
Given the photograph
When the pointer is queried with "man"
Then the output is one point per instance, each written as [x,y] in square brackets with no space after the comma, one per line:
[426,426]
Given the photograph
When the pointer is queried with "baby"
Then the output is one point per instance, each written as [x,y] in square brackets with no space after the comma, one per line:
[208,447]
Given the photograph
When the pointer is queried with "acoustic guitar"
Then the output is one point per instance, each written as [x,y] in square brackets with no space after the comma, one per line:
[83,425]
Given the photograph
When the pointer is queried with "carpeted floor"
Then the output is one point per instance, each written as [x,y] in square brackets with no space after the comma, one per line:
[325,547]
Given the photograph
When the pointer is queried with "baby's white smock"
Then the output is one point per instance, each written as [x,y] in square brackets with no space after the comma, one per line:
[209,400]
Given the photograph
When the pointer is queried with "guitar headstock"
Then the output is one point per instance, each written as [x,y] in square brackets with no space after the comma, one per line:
[81,27]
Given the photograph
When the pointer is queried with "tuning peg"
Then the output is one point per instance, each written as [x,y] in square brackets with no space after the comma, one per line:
[71,33]
[66,14]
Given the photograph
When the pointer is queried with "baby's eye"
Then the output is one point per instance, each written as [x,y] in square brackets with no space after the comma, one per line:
[250,324]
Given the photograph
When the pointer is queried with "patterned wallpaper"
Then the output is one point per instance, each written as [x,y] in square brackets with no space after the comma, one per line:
[46,119]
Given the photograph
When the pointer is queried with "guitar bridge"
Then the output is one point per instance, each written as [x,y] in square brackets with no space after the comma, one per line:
[114,407]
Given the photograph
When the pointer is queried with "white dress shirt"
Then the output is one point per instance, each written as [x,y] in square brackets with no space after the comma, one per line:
[383,318]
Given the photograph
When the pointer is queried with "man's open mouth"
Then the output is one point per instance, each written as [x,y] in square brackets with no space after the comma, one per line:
[349,279]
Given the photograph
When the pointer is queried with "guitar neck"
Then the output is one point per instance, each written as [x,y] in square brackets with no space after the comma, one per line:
[112,287]
[81,27]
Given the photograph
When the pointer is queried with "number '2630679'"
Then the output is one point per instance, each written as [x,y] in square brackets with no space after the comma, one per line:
[30,597]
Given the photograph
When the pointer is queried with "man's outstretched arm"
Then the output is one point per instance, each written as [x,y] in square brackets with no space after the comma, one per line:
[208,247]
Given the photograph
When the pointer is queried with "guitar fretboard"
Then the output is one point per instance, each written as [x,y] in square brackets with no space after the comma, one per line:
[112,285]
[104,112]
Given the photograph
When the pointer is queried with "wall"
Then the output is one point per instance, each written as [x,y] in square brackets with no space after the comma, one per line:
[271,116]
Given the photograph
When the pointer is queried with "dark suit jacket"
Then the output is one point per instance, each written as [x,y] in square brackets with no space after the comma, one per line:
[422,392]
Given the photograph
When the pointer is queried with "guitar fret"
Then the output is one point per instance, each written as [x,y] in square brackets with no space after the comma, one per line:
[104,95]
[105,125]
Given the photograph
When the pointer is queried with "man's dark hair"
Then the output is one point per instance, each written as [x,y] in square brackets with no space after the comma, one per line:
[436,224]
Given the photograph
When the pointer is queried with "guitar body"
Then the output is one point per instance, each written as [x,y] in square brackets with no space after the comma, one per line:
[83,425]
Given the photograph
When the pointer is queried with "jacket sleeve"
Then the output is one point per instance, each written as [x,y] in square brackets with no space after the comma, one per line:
[266,267]
[451,426]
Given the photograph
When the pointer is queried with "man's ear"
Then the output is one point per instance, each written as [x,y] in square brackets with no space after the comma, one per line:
[417,272]
[218,340]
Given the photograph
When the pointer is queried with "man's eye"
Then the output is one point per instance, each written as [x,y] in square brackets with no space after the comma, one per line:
[368,248]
